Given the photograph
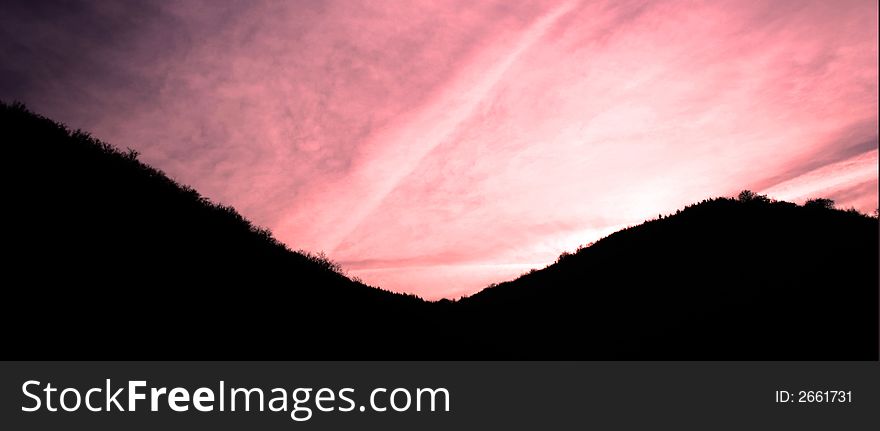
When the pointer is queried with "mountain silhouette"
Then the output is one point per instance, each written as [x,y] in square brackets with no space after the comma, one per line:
[117,257]
[107,257]
[725,278]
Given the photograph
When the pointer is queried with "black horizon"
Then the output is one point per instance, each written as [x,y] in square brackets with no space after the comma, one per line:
[118,260]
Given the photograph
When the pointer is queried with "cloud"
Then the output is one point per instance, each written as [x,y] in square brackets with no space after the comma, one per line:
[393,153]
[433,147]
[848,182]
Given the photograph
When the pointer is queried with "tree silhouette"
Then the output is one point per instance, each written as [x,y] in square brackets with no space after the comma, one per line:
[750,196]
[821,203]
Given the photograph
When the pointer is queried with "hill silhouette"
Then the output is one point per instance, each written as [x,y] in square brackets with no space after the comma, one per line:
[110,258]
[99,242]
[726,278]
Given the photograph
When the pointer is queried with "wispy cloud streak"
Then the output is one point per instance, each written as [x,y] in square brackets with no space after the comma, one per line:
[392,154]
[434,147]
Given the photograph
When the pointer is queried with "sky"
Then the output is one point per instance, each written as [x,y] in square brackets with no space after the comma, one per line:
[437,147]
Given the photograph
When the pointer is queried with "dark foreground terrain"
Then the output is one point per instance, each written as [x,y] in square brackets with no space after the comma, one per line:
[107,258]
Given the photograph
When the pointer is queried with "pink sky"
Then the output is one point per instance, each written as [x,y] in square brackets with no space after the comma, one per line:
[436,147]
